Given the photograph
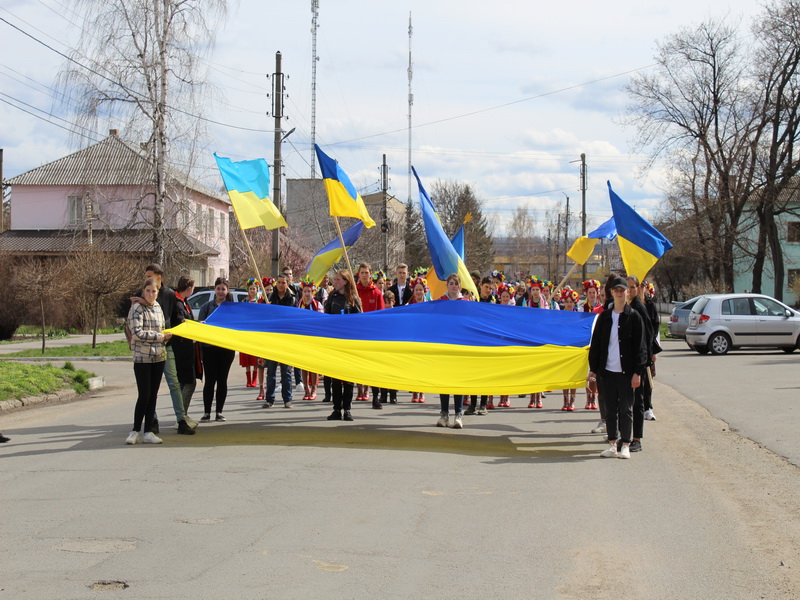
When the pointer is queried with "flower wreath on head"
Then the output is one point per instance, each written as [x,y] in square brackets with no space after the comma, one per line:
[535,282]
[306,282]
[378,275]
[498,274]
[591,283]
[420,272]
[421,280]
[505,288]
[251,281]
[549,284]
[649,288]
[568,292]
[265,281]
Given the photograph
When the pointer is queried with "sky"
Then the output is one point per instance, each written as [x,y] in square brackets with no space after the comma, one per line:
[507,94]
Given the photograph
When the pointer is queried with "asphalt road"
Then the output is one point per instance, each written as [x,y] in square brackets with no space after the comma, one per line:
[283,504]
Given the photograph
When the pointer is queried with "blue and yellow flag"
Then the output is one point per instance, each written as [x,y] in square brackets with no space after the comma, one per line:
[247,182]
[640,244]
[332,253]
[583,247]
[344,200]
[444,256]
[443,346]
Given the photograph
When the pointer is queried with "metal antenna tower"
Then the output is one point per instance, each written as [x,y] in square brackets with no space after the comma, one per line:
[410,102]
[314,60]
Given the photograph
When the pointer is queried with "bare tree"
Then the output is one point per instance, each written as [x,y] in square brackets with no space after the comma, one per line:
[135,58]
[521,234]
[37,278]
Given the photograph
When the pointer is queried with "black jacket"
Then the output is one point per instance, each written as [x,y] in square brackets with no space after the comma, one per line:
[337,304]
[632,342]
[407,293]
[289,299]
[184,349]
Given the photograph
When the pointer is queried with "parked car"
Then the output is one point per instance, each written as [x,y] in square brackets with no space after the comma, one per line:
[203,295]
[679,319]
[722,322]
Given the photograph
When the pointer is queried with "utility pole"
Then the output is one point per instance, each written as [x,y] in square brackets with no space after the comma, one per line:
[314,60]
[2,196]
[385,213]
[566,235]
[410,104]
[558,238]
[277,167]
[583,206]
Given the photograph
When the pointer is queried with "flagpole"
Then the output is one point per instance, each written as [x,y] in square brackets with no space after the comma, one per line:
[344,247]
[570,272]
[255,264]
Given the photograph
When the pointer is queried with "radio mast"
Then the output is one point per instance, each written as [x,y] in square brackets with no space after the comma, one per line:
[314,60]
[410,102]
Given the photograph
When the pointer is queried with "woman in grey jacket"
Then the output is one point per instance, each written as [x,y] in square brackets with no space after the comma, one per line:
[146,322]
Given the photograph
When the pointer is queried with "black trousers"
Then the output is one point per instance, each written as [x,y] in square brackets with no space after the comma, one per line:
[342,394]
[216,366]
[640,401]
[618,396]
[148,379]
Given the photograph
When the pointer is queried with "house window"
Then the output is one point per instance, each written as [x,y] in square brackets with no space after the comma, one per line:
[198,219]
[75,209]
[793,234]
[210,223]
[222,228]
[794,276]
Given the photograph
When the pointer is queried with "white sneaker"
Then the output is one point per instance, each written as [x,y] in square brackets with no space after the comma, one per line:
[611,452]
[444,420]
[150,438]
[625,452]
[649,415]
[601,427]
[190,422]
[458,422]
[133,438]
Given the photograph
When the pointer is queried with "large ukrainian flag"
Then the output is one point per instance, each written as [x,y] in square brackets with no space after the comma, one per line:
[332,253]
[640,244]
[247,182]
[344,200]
[437,347]
[444,256]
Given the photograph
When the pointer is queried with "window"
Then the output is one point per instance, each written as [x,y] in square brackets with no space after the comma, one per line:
[767,307]
[793,233]
[793,276]
[736,306]
[198,219]
[75,210]
[211,223]
[222,230]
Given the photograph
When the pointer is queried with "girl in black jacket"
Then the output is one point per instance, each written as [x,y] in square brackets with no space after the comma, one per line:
[341,301]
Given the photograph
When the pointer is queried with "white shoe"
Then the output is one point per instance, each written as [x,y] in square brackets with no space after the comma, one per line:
[458,422]
[150,438]
[611,452]
[649,415]
[444,420]
[190,422]
[625,452]
[601,427]
[133,438]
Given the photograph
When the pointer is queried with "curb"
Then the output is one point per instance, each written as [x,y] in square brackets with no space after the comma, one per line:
[67,358]
[59,397]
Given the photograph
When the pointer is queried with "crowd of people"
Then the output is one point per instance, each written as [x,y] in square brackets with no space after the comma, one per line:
[622,353]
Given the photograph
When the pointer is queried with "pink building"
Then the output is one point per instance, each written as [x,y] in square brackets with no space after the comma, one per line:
[103,196]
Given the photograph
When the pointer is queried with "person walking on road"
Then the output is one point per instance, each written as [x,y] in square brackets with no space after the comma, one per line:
[343,300]
[216,361]
[617,356]
[146,323]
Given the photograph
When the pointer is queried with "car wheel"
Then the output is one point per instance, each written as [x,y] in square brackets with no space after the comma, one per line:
[701,349]
[788,349]
[719,343]
[690,346]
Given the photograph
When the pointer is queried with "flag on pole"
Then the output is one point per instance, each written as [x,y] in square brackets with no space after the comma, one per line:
[344,200]
[444,256]
[640,244]
[332,253]
[247,182]
[583,247]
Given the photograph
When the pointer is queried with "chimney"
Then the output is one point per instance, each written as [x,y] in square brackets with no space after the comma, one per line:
[114,132]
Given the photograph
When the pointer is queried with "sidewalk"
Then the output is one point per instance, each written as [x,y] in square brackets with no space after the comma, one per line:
[73,340]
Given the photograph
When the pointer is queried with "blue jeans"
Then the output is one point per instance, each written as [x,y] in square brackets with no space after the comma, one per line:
[458,401]
[171,375]
[286,381]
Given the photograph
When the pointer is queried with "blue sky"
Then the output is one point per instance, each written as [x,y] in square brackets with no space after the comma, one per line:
[506,94]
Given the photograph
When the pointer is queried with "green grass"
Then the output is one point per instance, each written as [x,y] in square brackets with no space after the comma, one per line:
[20,380]
[118,348]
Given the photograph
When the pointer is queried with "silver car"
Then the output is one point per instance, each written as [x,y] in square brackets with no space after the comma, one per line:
[722,322]
[679,319]
[200,297]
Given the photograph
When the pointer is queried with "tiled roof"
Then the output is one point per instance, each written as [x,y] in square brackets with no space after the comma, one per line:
[112,162]
[130,241]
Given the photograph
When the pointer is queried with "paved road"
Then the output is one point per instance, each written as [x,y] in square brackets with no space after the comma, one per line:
[756,391]
[284,504]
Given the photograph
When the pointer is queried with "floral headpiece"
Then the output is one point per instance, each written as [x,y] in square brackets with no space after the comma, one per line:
[591,283]
[420,272]
[649,288]
[505,288]
[251,281]
[421,280]
[550,285]
[568,292]
[265,281]
[535,282]
[378,275]
[497,274]
[306,282]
